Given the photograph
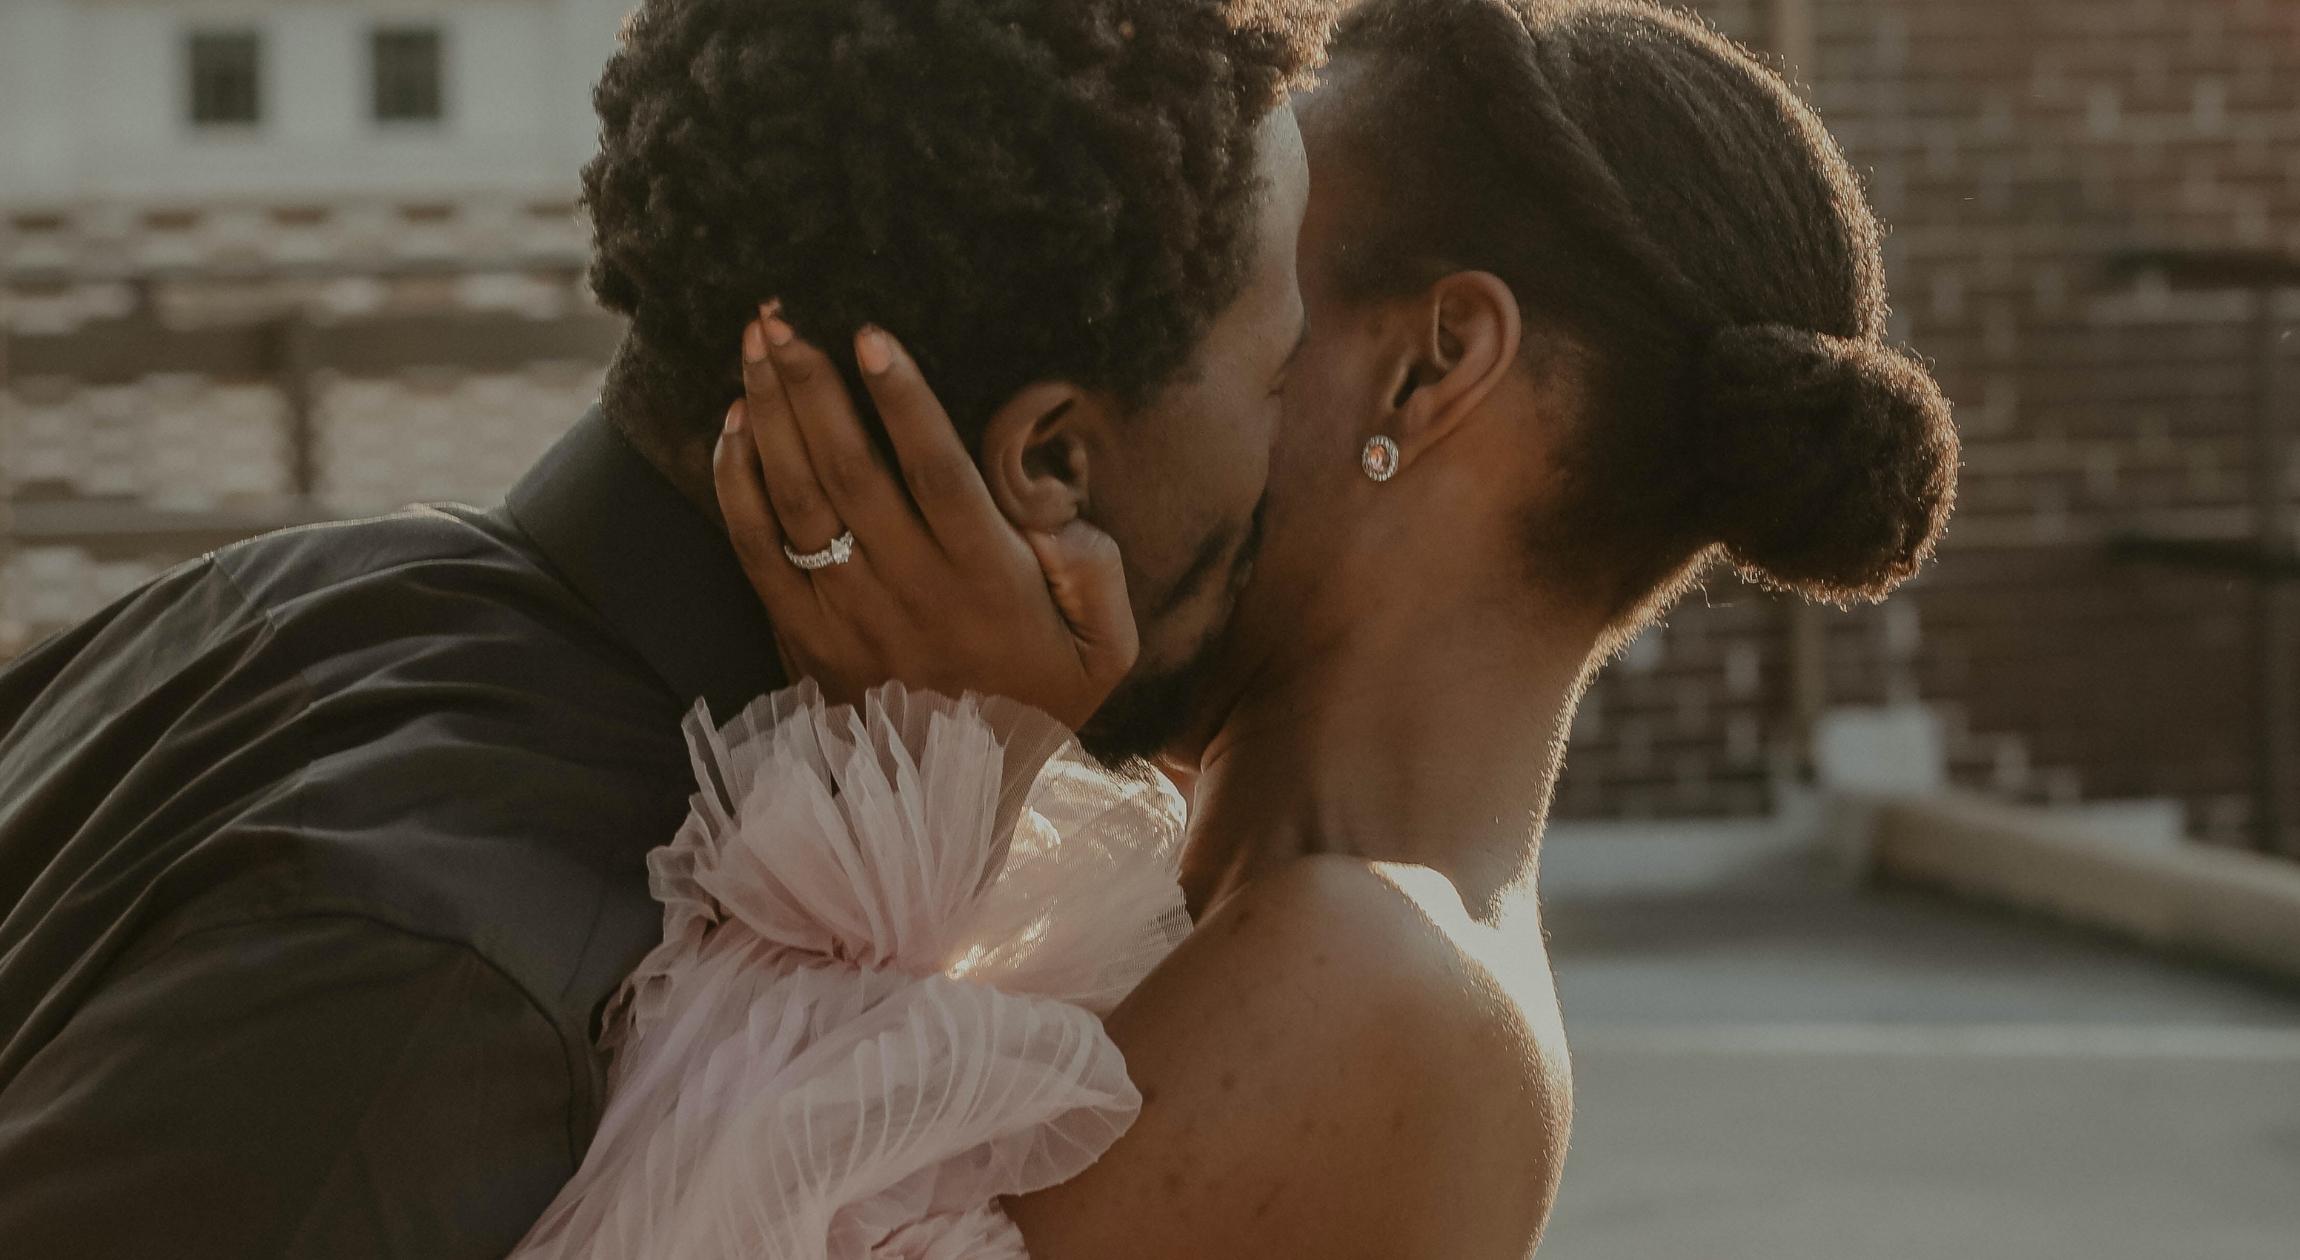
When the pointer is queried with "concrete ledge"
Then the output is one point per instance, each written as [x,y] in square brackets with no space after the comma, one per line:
[2239,907]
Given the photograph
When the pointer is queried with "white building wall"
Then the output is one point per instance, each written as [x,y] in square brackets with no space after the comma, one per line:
[585,37]
[105,184]
[39,44]
[93,101]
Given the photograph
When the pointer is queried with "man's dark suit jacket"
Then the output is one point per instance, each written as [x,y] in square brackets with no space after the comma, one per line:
[319,856]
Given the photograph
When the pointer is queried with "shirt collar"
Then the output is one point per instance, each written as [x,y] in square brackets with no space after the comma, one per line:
[658,571]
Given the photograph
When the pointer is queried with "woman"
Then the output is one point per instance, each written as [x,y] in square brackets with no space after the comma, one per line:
[1594,303]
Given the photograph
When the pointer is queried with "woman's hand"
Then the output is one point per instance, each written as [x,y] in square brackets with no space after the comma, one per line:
[940,592]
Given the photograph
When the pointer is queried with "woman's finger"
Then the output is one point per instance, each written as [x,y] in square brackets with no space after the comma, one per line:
[751,526]
[862,489]
[1088,579]
[805,512]
[940,471]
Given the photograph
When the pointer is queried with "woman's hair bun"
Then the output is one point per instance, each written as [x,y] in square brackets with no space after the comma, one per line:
[1830,462]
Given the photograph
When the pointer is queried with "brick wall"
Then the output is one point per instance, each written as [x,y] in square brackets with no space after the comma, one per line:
[2015,147]
[215,442]
[191,445]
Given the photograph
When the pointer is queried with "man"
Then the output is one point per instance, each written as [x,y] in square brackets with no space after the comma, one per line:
[320,855]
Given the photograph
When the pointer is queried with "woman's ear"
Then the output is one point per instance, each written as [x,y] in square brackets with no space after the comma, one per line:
[1468,334]
[1034,454]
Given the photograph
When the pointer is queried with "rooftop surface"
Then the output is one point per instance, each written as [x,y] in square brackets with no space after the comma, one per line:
[1773,1064]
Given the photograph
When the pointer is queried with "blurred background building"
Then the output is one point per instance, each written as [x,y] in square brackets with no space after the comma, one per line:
[2095,237]
[270,261]
[265,262]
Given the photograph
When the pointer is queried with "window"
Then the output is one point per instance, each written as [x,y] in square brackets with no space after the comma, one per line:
[226,78]
[407,74]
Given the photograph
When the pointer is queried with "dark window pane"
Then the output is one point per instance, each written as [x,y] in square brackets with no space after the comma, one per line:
[407,75]
[226,77]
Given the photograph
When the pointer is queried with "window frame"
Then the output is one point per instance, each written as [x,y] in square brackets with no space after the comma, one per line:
[197,76]
[377,37]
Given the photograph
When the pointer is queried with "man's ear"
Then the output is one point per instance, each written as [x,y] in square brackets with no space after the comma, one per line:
[1034,454]
[1468,331]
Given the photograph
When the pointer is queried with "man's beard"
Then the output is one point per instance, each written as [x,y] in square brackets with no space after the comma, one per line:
[1141,716]
[1151,708]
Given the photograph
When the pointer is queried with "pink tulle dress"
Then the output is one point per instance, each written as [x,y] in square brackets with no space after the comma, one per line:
[889,936]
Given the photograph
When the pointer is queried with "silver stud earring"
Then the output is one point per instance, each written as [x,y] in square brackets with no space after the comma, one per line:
[1380,458]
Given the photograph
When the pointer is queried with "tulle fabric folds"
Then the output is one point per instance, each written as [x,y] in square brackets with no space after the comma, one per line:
[890,931]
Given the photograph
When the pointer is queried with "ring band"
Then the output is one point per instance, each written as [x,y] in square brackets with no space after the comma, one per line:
[841,550]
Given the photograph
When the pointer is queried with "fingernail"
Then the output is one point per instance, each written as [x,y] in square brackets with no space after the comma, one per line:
[735,416]
[754,343]
[873,352]
[779,332]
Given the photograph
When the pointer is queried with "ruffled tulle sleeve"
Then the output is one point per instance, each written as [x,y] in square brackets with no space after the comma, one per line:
[890,931]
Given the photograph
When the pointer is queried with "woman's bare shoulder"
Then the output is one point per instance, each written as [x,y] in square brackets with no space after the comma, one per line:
[1400,939]
[1475,1004]
[1331,1061]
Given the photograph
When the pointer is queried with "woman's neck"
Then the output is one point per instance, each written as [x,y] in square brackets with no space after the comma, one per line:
[1429,732]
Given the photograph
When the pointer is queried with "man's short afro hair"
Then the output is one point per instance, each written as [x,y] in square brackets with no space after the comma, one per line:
[1019,189]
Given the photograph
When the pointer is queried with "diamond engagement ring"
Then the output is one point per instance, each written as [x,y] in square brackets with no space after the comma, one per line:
[841,550]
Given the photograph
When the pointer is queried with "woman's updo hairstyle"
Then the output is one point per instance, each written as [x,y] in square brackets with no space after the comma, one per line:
[1650,190]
